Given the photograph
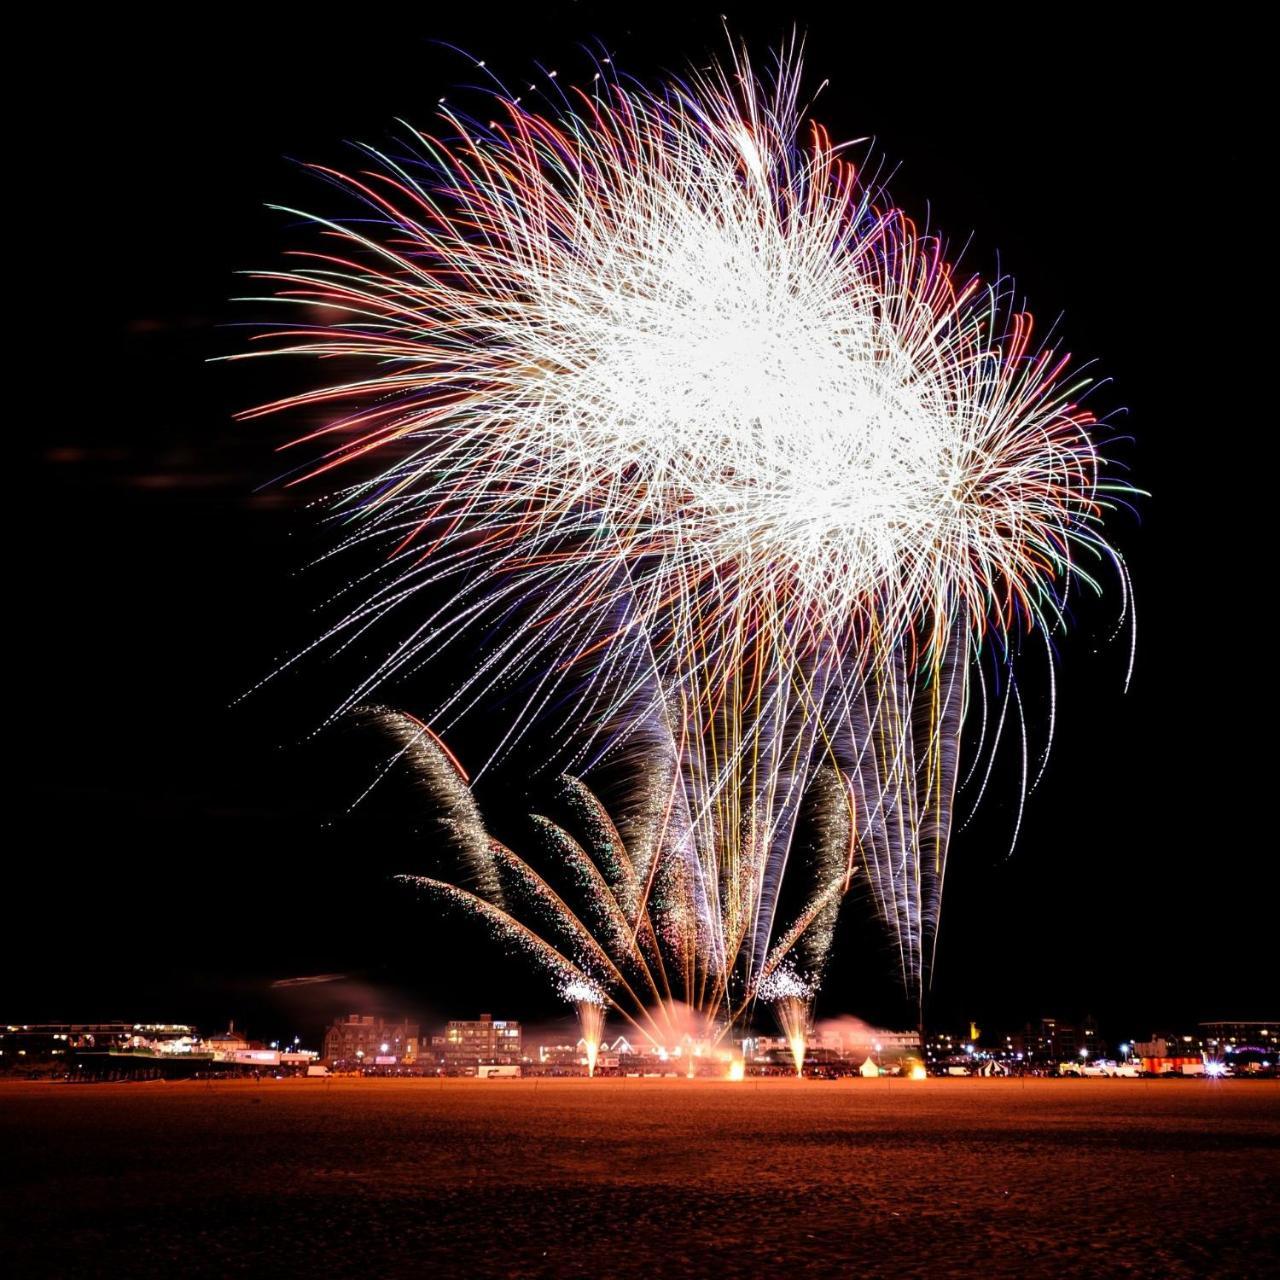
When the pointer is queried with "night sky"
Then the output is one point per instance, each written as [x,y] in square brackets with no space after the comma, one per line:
[181,849]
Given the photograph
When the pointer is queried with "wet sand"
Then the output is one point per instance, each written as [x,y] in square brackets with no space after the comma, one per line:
[649,1178]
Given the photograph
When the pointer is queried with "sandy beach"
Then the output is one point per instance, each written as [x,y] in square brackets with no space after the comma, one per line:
[643,1177]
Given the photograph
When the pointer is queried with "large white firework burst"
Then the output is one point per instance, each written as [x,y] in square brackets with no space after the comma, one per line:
[705,440]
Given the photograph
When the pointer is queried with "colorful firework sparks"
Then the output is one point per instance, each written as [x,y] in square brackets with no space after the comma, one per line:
[443,783]
[671,422]
[639,932]
[590,1003]
[792,1001]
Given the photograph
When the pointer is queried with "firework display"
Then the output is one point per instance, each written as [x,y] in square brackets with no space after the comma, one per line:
[590,1004]
[792,1002]
[616,923]
[663,422]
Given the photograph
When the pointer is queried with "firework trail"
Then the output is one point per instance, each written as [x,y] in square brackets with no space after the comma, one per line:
[617,930]
[445,790]
[667,419]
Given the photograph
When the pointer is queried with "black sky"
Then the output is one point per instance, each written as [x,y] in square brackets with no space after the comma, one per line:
[180,850]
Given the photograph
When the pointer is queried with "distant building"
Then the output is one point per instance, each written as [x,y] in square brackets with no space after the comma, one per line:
[174,1039]
[944,1047]
[484,1040]
[58,1039]
[557,1056]
[860,1042]
[1060,1041]
[50,1040]
[562,1055]
[227,1044]
[1240,1037]
[1236,1045]
[363,1038]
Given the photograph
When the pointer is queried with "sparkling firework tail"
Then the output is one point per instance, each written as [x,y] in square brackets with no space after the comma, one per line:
[835,845]
[903,788]
[626,941]
[443,784]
